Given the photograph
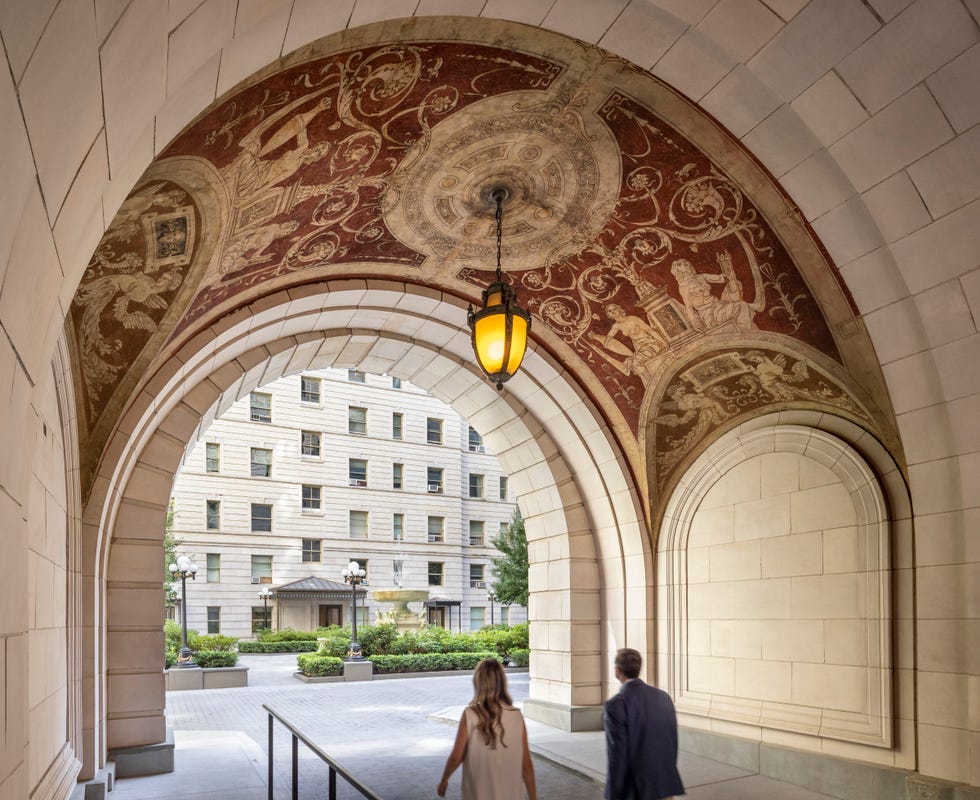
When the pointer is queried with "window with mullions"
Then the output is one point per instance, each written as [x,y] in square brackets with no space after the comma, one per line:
[397,476]
[309,390]
[475,441]
[260,462]
[477,532]
[398,527]
[312,551]
[433,430]
[396,383]
[357,420]
[261,618]
[261,518]
[214,619]
[309,444]
[354,376]
[214,567]
[358,524]
[397,421]
[212,515]
[435,573]
[357,471]
[212,460]
[503,488]
[437,529]
[476,485]
[477,617]
[262,568]
[260,407]
[311,498]
[434,480]
[477,580]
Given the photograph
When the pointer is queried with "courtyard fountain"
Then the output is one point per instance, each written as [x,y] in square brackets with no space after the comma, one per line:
[404,618]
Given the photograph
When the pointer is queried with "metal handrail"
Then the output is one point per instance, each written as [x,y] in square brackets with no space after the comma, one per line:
[328,760]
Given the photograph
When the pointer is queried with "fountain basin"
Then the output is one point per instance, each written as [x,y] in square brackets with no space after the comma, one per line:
[404,618]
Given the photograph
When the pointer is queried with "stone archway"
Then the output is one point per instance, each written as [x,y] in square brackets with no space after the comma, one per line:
[574,489]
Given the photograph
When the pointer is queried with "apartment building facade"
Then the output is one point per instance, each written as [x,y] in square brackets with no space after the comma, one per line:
[315,470]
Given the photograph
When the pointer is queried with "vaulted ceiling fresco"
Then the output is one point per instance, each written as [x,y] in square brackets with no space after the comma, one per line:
[663,267]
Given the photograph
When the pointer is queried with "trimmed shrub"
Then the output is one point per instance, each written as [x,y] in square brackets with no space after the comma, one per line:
[211,641]
[170,656]
[216,658]
[377,639]
[308,646]
[285,635]
[519,657]
[316,666]
[427,662]
[172,635]
[336,643]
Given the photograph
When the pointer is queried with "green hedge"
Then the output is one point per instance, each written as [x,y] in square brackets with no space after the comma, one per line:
[316,666]
[307,646]
[519,657]
[285,635]
[212,641]
[427,662]
[216,658]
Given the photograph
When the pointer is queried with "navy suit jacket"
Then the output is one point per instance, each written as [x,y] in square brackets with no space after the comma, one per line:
[641,744]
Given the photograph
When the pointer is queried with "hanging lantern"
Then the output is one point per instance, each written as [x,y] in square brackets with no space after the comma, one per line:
[500,328]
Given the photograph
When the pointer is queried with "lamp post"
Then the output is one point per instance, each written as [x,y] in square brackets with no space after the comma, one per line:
[185,568]
[266,594]
[353,574]
[491,597]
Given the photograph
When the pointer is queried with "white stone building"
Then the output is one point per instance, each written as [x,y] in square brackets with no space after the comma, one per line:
[315,469]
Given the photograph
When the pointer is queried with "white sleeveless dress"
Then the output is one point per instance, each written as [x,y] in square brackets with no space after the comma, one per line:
[494,774]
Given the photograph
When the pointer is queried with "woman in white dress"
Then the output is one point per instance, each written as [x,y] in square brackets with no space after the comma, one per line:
[491,742]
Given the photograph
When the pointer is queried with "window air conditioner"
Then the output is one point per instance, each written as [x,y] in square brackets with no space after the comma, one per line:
[358,482]
[435,487]
[477,448]
[478,584]
[256,579]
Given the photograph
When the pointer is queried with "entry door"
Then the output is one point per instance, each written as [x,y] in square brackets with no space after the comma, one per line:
[329,615]
[437,616]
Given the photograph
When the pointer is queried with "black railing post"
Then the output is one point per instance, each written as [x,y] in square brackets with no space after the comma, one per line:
[333,784]
[271,790]
[295,768]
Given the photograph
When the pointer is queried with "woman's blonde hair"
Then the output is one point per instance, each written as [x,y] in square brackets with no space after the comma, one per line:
[489,698]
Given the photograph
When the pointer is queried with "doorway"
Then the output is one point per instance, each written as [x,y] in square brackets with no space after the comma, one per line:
[329,615]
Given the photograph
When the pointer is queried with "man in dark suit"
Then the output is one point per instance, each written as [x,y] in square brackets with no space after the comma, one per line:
[641,737]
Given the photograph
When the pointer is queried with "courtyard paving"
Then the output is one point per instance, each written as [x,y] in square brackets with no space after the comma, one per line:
[393,734]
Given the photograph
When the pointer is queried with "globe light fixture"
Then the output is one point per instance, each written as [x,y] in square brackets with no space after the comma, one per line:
[499,330]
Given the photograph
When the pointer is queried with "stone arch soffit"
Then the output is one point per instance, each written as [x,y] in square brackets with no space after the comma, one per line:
[881,500]
[548,436]
[364,155]
[729,380]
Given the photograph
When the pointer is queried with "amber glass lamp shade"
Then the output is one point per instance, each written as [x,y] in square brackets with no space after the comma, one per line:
[499,333]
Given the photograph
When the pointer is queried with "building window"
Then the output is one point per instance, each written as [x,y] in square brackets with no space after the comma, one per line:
[434,480]
[396,383]
[261,462]
[477,580]
[354,376]
[504,615]
[398,573]
[357,471]
[311,498]
[477,532]
[212,460]
[503,488]
[476,485]
[433,430]
[311,551]
[261,518]
[398,527]
[502,529]
[477,617]
[309,390]
[260,407]
[214,567]
[358,525]
[357,420]
[262,569]
[437,529]
[397,475]
[261,618]
[212,514]
[396,425]
[309,444]
[435,573]
[214,619]
[475,441]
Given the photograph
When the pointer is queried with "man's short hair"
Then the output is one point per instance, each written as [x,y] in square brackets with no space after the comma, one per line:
[629,662]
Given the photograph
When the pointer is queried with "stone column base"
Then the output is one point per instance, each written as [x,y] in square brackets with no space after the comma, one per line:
[571,719]
[147,759]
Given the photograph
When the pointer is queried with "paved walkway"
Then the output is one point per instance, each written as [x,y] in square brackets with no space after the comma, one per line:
[394,734]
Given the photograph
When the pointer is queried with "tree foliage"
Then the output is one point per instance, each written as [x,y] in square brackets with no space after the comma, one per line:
[510,571]
[170,545]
